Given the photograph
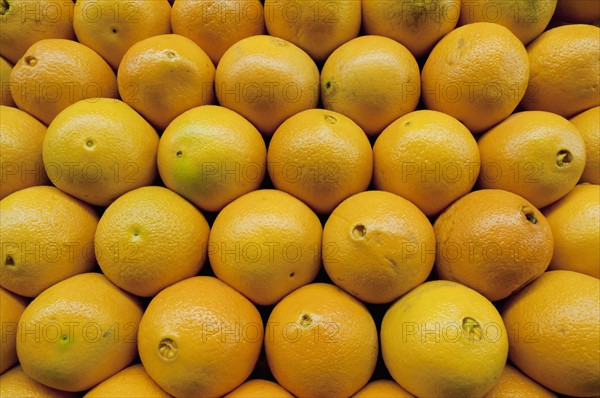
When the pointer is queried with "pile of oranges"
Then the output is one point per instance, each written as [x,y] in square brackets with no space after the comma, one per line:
[324,198]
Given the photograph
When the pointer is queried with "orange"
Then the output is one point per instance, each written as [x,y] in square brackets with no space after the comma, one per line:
[266,79]
[321,341]
[382,388]
[258,388]
[526,19]
[15,383]
[477,73]
[46,236]
[588,124]
[435,338]
[56,73]
[321,157]
[5,86]
[427,157]
[110,27]
[25,22]
[163,76]
[514,384]
[98,149]
[537,155]
[11,308]
[554,334]
[211,155]
[574,221]
[216,25]
[578,11]
[416,25]
[200,338]
[20,151]
[565,70]
[129,382]
[150,238]
[317,27]
[371,79]
[378,246]
[265,244]
[492,241]
[78,333]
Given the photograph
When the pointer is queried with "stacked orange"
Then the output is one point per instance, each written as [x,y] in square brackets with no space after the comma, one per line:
[291,198]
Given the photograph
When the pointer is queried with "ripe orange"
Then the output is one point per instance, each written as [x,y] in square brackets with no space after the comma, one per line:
[371,79]
[133,381]
[20,151]
[377,246]
[266,79]
[435,338]
[110,27]
[564,70]
[150,238]
[514,384]
[216,25]
[574,222]
[321,157]
[588,124]
[427,157]
[538,155]
[492,241]
[46,236]
[211,155]
[258,388]
[11,308]
[200,338]
[25,22]
[477,73]
[98,149]
[56,73]
[321,341]
[78,333]
[5,88]
[382,388]
[265,244]
[163,76]
[526,19]
[15,383]
[416,25]
[553,332]
[317,27]
[578,11]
